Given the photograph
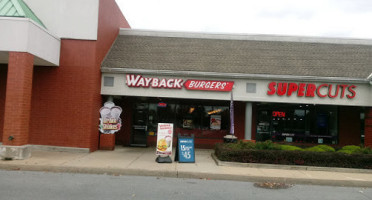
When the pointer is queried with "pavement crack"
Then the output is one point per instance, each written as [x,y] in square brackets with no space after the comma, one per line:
[134,160]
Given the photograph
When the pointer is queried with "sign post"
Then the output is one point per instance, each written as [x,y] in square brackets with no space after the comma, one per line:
[164,143]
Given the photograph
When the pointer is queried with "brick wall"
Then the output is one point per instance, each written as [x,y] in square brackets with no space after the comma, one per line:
[3,75]
[18,98]
[349,125]
[123,136]
[368,127]
[239,119]
[66,99]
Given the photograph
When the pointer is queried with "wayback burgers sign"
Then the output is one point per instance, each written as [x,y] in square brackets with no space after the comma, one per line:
[174,83]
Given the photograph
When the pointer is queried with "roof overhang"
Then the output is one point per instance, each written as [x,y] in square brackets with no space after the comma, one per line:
[233,75]
[24,35]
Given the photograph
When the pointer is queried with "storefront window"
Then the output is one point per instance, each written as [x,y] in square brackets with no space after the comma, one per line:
[203,119]
[297,123]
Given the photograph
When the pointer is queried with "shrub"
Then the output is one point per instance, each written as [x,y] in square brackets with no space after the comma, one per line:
[240,145]
[321,148]
[349,149]
[326,148]
[345,151]
[315,149]
[309,158]
[290,148]
[366,150]
[246,145]
[267,145]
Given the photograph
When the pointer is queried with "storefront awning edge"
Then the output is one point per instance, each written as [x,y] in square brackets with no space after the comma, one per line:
[232,75]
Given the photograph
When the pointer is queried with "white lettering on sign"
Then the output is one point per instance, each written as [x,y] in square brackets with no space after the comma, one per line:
[209,85]
[139,81]
[177,83]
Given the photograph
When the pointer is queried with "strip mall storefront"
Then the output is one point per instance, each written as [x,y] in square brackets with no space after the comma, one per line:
[310,112]
[286,89]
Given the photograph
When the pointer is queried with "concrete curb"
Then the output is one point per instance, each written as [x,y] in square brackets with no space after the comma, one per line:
[289,167]
[184,174]
[90,170]
[304,181]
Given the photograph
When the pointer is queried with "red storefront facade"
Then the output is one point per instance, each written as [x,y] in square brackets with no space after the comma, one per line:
[56,103]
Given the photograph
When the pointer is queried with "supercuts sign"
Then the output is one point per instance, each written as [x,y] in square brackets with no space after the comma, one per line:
[174,83]
[311,90]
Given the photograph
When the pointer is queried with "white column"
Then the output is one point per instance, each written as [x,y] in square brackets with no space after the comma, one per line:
[248,121]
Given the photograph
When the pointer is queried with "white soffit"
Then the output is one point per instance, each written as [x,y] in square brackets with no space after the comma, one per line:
[24,35]
[68,19]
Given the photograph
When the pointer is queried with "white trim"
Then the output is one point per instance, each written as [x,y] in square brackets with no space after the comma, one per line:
[33,22]
[25,35]
[227,36]
[369,77]
[232,75]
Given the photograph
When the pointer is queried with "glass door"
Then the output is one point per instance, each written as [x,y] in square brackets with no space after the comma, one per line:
[139,127]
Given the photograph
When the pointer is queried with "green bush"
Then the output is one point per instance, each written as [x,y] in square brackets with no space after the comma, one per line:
[321,148]
[349,149]
[267,145]
[309,158]
[366,150]
[326,148]
[246,145]
[290,148]
[345,151]
[240,145]
[315,149]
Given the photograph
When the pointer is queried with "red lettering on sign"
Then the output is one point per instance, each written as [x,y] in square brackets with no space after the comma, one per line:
[318,90]
[271,88]
[282,89]
[310,90]
[301,90]
[350,88]
[292,87]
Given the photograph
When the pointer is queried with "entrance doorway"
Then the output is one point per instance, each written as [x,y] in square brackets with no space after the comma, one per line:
[139,127]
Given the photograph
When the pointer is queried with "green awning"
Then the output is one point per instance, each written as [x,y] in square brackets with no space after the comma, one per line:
[18,8]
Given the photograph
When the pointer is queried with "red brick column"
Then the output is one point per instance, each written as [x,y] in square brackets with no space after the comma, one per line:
[107,142]
[18,99]
[368,127]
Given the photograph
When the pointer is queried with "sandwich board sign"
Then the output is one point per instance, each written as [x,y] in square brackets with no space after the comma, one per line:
[164,139]
[186,150]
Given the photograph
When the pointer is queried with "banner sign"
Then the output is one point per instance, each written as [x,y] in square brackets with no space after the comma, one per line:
[164,140]
[186,152]
[176,83]
[110,121]
[223,86]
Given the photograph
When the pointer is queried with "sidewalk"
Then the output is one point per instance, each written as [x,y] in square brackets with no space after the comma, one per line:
[141,161]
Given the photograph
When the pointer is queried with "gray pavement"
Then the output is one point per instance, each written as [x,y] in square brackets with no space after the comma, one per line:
[141,161]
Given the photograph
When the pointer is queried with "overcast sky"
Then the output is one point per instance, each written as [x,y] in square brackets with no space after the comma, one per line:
[325,18]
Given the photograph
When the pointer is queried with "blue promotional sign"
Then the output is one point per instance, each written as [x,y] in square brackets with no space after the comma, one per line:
[186,149]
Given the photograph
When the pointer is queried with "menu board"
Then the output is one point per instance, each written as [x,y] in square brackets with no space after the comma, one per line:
[186,152]
[164,140]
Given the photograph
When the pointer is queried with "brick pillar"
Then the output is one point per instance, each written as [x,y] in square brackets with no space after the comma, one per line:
[368,127]
[18,99]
